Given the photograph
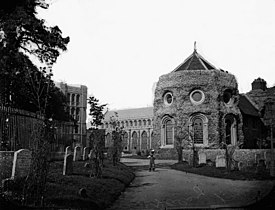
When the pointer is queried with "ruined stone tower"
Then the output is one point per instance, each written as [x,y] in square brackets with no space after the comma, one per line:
[200,99]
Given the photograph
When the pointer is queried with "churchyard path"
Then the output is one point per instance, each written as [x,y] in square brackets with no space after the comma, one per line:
[170,189]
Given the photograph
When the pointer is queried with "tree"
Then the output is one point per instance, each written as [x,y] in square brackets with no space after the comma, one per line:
[97,137]
[117,136]
[25,37]
[96,111]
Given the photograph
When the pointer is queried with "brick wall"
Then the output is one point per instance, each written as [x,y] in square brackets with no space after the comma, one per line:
[6,162]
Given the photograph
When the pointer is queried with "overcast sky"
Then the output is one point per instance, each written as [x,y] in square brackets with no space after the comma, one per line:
[119,48]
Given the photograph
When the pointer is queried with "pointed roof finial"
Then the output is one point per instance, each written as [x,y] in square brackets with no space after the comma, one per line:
[195,47]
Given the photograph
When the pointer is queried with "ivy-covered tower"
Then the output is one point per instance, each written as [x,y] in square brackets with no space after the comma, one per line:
[200,99]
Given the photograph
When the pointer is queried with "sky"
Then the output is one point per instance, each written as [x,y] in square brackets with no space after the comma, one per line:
[120,48]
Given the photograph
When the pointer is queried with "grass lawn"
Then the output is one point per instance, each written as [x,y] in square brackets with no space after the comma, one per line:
[206,170]
[62,192]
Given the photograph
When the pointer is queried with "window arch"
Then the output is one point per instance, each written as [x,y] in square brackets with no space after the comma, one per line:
[230,129]
[198,128]
[144,122]
[167,132]
[144,140]
[134,141]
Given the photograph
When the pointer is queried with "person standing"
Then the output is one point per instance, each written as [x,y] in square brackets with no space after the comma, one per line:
[152,160]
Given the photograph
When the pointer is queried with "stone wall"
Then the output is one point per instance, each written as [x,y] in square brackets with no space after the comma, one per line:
[6,162]
[244,155]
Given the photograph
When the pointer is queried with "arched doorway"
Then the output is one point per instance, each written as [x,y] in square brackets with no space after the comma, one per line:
[143,142]
[230,129]
[134,141]
[125,142]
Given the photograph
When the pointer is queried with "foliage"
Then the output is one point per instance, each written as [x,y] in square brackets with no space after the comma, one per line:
[34,186]
[97,145]
[97,137]
[96,111]
[25,37]
[117,136]
[229,153]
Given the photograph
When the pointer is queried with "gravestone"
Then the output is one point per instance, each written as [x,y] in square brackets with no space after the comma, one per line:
[85,153]
[68,150]
[190,159]
[240,166]
[267,157]
[258,157]
[68,165]
[77,153]
[21,163]
[250,163]
[90,156]
[220,161]
[202,158]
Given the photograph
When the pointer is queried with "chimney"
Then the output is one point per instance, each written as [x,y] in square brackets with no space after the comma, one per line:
[259,84]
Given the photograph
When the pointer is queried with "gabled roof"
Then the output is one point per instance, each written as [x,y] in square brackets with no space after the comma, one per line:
[247,107]
[127,114]
[195,62]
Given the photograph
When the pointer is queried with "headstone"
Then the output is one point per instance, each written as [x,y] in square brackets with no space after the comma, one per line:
[220,161]
[240,166]
[21,163]
[261,166]
[261,163]
[87,165]
[202,158]
[77,153]
[85,153]
[190,159]
[258,157]
[250,163]
[68,165]
[90,154]
[68,150]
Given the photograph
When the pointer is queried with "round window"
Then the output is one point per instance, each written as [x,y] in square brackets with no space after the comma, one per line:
[197,97]
[227,95]
[168,98]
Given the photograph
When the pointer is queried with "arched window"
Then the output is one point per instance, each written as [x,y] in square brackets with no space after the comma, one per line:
[77,99]
[139,123]
[125,141]
[135,123]
[230,129]
[126,123]
[131,123]
[144,122]
[144,141]
[198,128]
[167,132]
[134,140]
[149,122]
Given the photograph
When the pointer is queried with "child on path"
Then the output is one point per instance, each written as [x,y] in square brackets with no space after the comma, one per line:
[152,160]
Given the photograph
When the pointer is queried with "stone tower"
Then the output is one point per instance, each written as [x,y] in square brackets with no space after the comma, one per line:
[200,100]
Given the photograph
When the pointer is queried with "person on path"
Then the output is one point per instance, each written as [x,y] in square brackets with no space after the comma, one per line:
[152,160]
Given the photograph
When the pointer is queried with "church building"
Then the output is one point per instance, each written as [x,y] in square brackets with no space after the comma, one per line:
[199,99]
